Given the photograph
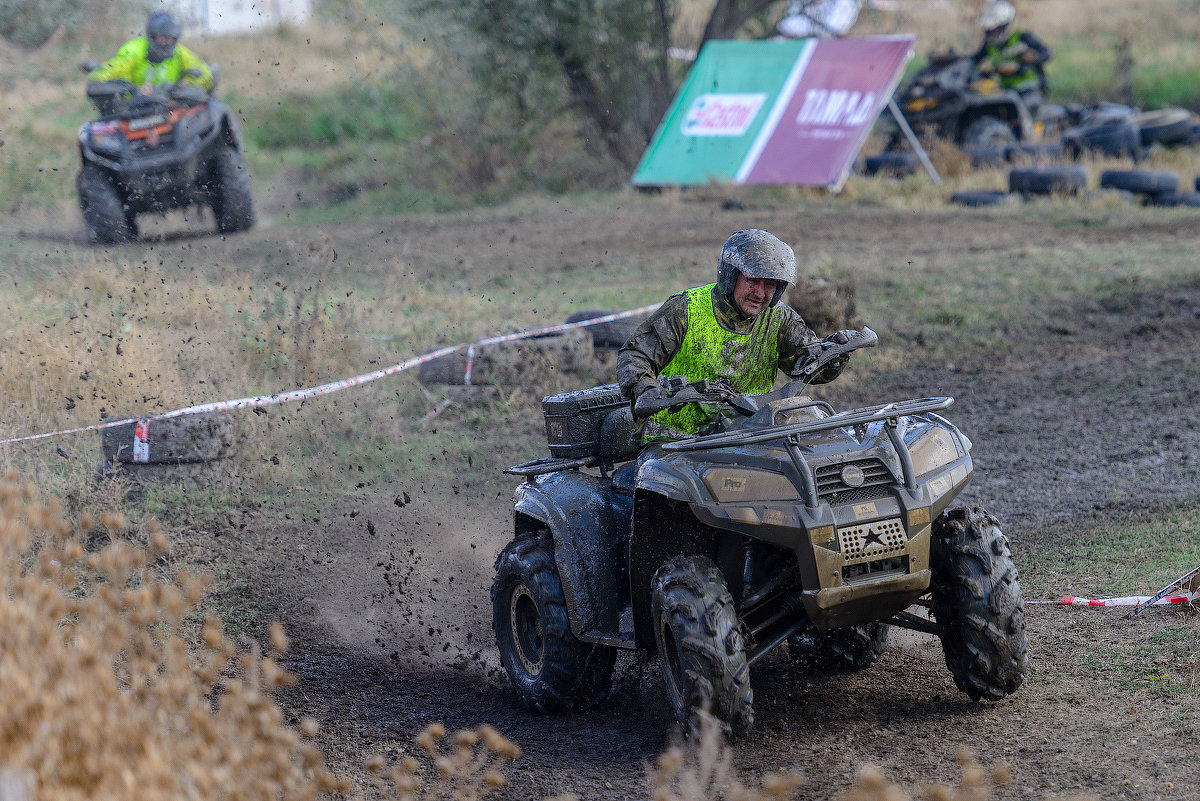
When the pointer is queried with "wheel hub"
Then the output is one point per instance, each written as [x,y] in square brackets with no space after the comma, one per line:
[526,626]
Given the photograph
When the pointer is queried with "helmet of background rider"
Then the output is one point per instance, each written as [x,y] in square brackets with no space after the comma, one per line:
[995,20]
[756,254]
[162,32]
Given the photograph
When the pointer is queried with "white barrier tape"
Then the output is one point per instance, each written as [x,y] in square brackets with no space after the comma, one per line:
[1132,600]
[331,387]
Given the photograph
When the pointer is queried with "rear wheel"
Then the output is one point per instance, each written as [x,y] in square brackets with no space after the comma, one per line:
[103,211]
[987,131]
[548,667]
[977,601]
[229,191]
[850,648]
[701,644]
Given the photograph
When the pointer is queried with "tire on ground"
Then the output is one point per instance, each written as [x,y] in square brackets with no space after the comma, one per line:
[186,476]
[520,363]
[701,645]
[1177,199]
[979,197]
[1165,126]
[977,600]
[1116,136]
[612,334]
[1150,183]
[987,156]
[850,648]
[548,667]
[825,305]
[104,213]
[174,440]
[1047,180]
[229,191]
[891,162]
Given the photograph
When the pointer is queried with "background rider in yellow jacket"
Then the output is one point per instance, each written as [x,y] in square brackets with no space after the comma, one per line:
[156,59]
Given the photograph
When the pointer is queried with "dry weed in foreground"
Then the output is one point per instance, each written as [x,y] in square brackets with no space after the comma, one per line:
[469,770]
[101,696]
[704,771]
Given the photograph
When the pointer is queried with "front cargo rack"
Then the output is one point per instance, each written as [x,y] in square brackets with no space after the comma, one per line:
[851,417]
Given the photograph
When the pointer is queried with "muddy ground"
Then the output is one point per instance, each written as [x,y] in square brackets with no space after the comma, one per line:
[386,596]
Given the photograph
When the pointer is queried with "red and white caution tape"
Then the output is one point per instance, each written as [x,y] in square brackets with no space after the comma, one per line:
[1131,600]
[277,398]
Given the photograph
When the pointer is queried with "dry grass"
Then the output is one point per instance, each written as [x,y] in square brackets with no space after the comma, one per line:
[108,691]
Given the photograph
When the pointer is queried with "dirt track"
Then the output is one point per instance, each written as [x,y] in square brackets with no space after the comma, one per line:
[387,603]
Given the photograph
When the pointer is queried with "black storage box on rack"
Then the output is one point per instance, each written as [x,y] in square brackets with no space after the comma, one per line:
[574,419]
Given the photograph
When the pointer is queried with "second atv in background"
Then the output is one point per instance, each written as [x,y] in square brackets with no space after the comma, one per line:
[952,99]
[170,148]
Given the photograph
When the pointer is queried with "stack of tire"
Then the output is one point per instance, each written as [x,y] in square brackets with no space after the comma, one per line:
[190,452]
[519,363]
[1153,187]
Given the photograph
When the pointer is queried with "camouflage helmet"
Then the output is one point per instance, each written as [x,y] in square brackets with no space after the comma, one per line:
[756,254]
[161,23]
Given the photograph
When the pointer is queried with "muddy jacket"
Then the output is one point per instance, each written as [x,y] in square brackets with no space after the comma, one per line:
[1022,49]
[702,334]
[130,64]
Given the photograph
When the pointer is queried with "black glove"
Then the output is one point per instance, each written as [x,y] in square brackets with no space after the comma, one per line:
[842,337]
[648,395]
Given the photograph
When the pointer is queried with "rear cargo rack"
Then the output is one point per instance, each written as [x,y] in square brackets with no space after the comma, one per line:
[889,412]
[550,464]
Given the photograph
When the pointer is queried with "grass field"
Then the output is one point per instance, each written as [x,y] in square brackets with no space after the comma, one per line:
[353,270]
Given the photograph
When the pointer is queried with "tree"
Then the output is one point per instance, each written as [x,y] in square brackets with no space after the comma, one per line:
[611,56]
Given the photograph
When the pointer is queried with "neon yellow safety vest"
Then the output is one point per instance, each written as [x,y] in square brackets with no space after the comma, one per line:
[750,361]
[998,55]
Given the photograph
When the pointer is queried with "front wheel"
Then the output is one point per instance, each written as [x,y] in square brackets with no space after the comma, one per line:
[701,644]
[548,667]
[977,601]
[103,211]
[229,191]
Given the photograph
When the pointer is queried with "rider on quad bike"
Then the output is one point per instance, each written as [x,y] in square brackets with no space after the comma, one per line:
[735,329]
[156,59]
[1017,57]
[776,521]
[993,98]
[162,142]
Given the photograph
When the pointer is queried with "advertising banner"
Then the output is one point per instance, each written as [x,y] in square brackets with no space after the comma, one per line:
[774,112]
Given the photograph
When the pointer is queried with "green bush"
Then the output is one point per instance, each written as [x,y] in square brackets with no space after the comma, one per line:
[30,23]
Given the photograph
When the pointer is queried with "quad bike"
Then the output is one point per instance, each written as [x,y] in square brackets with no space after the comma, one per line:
[952,99]
[175,147]
[795,525]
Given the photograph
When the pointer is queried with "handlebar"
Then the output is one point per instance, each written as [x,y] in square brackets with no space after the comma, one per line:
[820,354]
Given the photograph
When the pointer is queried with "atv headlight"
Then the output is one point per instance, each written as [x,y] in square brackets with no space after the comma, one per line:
[727,485]
[106,136]
[933,448]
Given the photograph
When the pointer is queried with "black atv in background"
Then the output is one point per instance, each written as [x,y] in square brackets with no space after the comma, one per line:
[151,153]
[952,99]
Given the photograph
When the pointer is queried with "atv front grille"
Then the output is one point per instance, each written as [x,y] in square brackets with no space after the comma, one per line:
[869,542]
[163,140]
[878,568]
[872,480]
